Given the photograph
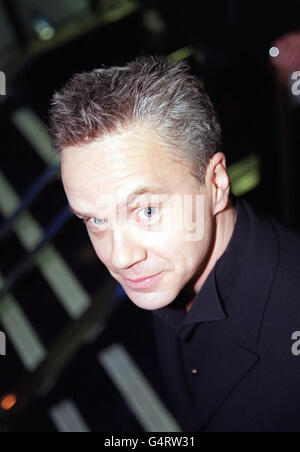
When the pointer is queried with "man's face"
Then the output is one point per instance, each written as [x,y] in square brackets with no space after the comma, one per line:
[169,233]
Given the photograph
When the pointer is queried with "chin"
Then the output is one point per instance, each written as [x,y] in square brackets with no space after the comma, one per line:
[151,301]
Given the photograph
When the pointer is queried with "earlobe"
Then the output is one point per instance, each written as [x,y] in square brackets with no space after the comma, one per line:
[221,190]
[221,199]
[220,183]
[218,196]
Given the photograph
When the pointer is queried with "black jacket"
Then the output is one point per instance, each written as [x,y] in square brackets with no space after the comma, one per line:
[232,364]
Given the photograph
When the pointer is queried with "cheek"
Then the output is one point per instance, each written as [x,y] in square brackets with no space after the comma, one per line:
[194,252]
[174,248]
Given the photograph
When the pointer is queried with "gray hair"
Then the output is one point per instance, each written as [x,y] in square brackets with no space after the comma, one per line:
[150,91]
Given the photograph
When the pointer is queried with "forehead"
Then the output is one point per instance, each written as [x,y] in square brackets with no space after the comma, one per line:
[134,153]
[118,165]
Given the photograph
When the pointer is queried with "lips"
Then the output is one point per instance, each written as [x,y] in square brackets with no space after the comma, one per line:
[143,283]
[141,279]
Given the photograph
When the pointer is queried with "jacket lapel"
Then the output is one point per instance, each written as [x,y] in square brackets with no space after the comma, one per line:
[219,375]
[227,324]
[233,343]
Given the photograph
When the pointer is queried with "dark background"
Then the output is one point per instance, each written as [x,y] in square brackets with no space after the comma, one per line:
[227,45]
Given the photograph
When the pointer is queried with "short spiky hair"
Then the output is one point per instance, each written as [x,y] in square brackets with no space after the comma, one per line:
[149,91]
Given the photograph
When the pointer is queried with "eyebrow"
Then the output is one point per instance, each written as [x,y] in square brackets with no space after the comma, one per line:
[141,190]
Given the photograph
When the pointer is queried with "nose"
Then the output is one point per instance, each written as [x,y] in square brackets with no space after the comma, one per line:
[125,251]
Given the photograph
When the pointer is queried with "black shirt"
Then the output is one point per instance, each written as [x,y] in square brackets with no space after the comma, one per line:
[179,338]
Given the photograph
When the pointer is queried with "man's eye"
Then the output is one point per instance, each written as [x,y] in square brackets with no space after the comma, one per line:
[147,212]
[94,222]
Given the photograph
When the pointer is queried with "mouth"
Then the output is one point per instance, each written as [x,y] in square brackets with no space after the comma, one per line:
[143,282]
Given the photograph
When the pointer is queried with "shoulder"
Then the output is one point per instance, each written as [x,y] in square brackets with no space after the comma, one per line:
[289,253]
[282,242]
[282,313]
[276,257]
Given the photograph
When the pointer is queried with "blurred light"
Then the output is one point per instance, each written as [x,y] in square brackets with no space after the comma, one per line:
[67,418]
[43,28]
[182,54]
[137,391]
[118,9]
[245,175]
[8,402]
[274,52]
[153,22]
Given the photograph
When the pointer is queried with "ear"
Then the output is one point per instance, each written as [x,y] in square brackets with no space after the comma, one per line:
[218,180]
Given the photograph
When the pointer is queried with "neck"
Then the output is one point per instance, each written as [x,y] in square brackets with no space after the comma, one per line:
[225,223]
